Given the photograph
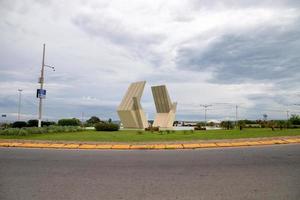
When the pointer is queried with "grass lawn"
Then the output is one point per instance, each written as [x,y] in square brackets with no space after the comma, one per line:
[142,136]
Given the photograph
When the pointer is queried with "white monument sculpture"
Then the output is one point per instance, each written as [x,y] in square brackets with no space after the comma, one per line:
[165,109]
[130,110]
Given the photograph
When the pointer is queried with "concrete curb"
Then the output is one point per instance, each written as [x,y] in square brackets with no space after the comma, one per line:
[149,146]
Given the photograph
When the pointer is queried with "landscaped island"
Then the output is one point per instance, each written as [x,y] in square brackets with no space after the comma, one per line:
[147,136]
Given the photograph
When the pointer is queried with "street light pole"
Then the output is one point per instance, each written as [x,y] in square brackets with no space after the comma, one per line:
[19,106]
[205,109]
[236,115]
[41,81]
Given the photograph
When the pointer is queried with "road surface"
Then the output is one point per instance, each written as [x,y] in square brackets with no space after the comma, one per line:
[265,172]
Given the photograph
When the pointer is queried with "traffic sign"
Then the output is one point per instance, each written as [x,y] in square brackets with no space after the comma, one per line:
[41,93]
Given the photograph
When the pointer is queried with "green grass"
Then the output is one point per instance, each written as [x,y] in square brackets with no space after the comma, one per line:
[142,136]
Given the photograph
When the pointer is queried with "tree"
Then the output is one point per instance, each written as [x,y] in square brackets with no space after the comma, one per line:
[265,117]
[227,125]
[19,124]
[241,124]
[93,120]
[295,119]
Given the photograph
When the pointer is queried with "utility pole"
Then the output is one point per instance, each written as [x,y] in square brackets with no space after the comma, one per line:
[287,118]
[82,118]
[205,106]
[41,81]
[19,106]
[236,115]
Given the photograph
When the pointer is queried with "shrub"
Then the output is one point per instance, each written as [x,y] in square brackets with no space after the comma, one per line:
[69,122]
[227,125]
[48,123]
[14,131]
[105,126]
[19,124]
[152,128]
[32,123]
[42,130]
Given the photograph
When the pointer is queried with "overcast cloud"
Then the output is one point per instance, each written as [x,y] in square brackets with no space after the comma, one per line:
[206,52]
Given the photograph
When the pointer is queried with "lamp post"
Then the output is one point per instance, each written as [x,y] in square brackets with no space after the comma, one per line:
[205,106]
[19,106]
[41,81]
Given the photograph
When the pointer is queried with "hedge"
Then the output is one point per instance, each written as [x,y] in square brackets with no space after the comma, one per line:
[69,122]
[19,124]
[42,130]
[105,126]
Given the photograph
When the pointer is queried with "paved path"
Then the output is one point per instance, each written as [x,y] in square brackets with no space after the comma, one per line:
[263,172]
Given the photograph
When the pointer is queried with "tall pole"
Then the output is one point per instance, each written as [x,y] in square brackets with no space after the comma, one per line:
[82,118]
[41,87]
[205,115]
[205,109]
[19,106]
[236,115]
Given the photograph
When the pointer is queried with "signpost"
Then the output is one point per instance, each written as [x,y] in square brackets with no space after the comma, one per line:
[41,93]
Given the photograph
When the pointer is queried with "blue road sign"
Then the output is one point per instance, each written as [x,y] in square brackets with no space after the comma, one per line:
[41,93]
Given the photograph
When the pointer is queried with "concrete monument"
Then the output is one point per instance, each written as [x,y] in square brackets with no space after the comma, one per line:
[165,109]
[130,110]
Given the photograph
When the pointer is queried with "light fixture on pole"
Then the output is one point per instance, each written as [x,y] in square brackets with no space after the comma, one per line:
[41,93]
[205,106]
[19,106]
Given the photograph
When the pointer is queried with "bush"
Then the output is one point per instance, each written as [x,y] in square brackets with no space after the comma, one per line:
[32,123]
[19,124]
[227,125]
[48,123]
[69,122]
[35,122]
[152,128]
[14,131]
[42,130]
[105,126]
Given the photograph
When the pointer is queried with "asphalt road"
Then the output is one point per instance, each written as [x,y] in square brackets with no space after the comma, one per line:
[268,172]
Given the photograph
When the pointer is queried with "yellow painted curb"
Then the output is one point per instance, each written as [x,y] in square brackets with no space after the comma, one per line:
[33,145]
[103,146]
[87,146]
[56,145]
[253,143]
[14,144]
[149,146]
[5,144]
[159,146]
[174,146]
[141,146]
[120,146]
[71,146]
[267,142]
[239,144]
[191,146]
[279,142]
[292,140]
[223,144]
[207,145]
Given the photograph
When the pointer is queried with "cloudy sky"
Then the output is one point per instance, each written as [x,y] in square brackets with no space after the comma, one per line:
[207,52]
